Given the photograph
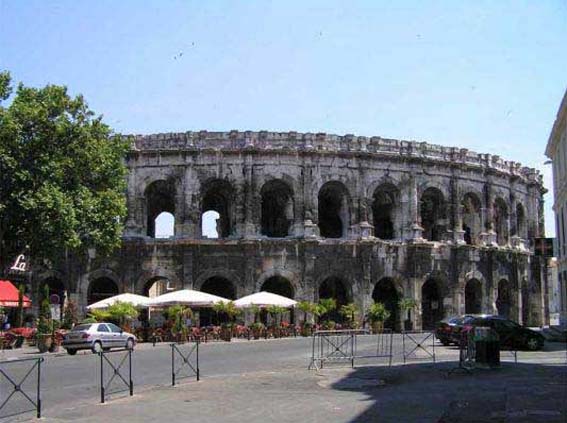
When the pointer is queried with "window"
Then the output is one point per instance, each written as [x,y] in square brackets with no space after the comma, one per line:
[114,328]
[103,328]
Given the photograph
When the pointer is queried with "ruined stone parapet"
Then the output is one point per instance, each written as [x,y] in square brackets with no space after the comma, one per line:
[329,143]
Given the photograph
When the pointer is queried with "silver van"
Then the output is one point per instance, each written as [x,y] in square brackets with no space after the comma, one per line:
[97,337]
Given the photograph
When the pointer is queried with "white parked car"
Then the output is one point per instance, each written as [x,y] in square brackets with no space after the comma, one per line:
[97,337]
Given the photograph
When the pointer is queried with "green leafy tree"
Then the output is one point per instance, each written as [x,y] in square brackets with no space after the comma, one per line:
[349,311]
[276,313]
[45,309]
[378,312]
[70,316]
[325,306]
[122,312]
[62,178]
[307,307]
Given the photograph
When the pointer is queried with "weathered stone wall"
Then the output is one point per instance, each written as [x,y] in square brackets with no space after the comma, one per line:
[351,188]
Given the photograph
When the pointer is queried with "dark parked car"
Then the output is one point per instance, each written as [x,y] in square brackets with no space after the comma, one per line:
[511,334]
[447,330]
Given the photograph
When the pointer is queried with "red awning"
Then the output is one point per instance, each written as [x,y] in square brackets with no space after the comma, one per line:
[9,295]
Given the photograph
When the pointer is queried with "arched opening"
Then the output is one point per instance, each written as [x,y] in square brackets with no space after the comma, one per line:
[433,214]
[386,293]
[56,287]
[333,210]
[333,287]
[278,285]
[383,211]
[431,304]
[164,225]
[503,302]
[520,226]
[157,286]
[210,225]
[472,224]
[216,285]
[501,221]
[217,198]
[160,197]
[473,297]
[277,209]
[281,286]
[100,289]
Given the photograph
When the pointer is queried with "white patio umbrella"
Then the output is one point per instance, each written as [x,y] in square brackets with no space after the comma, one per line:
[264,299]
[136,300]
[186,297]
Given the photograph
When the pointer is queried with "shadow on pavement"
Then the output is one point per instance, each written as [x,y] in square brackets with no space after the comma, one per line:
[425,392]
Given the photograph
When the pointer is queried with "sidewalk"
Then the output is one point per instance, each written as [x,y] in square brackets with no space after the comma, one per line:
[411,393]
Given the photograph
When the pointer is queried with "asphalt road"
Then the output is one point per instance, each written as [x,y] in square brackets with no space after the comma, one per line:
[71,380]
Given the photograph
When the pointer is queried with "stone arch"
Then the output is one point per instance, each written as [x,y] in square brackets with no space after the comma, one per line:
[501,216]
[86,280]
[277,208]
[159,198]
[386,292]
[471,208]
[433,214]
[218,195]
[386,211]
[333,210]
[100,289]
[336,288]
[474,296]
[431,303]
[221,286]
[279,285]
[504,299]
[520,224]
[289,276]
[158,273]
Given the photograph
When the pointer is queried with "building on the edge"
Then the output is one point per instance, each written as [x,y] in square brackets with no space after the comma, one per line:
[310,216]
[557,151]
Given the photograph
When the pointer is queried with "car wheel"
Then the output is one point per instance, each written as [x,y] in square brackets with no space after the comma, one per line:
[97,347]
[130,344]
[533,344]
[71,352]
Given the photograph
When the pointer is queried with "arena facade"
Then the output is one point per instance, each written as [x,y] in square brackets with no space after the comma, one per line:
[310,216]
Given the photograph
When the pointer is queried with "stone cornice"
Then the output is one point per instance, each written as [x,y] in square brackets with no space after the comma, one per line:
[288,142]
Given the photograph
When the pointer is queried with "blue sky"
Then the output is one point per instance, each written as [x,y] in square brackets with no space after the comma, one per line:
[484,75]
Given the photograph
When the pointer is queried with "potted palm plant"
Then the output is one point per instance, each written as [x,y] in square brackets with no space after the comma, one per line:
[256,327]
[230,311]
[324,307]
[406,306]
[350,311]
[306,307]
[377,314]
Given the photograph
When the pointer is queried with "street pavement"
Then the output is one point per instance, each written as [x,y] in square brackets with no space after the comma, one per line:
[268,380]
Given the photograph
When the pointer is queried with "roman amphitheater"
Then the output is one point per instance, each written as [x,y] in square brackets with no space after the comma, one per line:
[312,216]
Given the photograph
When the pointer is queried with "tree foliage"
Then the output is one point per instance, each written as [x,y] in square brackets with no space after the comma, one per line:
[62,174]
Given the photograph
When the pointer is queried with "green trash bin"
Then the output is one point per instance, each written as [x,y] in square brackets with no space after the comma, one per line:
[487,347]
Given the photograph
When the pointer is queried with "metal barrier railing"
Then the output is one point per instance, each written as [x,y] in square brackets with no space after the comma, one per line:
[115,372]
[18,388]
[176,350]
[418,341]
[342,346]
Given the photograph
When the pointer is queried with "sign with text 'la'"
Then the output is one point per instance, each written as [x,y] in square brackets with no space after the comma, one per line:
[20,264]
